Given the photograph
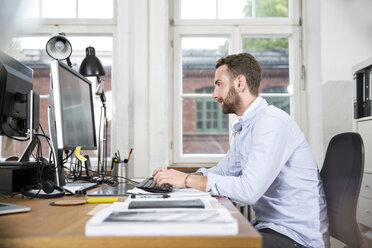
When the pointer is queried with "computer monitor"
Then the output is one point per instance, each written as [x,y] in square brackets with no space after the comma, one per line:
[72,106]
[16,81]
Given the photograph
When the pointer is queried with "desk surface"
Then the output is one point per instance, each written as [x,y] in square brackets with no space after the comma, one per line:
[63,226]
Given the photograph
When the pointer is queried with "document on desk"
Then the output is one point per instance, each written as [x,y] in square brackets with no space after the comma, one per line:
[161,222]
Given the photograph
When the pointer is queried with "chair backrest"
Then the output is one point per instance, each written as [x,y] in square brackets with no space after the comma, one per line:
[342,175]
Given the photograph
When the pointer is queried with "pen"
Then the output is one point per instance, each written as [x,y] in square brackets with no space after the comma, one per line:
[119,155]
[130,153]
[138,196]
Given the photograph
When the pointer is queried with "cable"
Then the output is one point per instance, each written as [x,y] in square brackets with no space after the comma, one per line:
[42,129]
[10,137]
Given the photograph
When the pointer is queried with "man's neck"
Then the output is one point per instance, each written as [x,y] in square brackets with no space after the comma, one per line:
[246,105]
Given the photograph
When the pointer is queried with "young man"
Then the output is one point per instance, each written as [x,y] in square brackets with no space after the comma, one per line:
[269,165]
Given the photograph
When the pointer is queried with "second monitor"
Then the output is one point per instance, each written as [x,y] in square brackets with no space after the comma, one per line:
[73,108]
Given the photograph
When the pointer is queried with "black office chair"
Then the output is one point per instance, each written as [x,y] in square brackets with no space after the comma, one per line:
[342,175]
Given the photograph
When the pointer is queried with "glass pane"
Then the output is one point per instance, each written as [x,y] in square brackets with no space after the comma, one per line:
[196,9]
[29,8]
[272,53]
[201,142]
[271,8]
[281,102]
[31,51]
[58,9]
[95,9]
[231,9]
[199,58]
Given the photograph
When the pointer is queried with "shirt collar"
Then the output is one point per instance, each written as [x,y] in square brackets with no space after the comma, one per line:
[237,125]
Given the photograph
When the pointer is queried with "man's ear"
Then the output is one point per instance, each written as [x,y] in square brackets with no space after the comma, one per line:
[241,83]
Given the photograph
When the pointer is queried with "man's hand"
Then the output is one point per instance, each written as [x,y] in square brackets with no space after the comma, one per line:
[173,177]
[177,178]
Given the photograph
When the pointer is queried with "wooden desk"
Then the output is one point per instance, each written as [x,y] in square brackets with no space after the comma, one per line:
[64,226]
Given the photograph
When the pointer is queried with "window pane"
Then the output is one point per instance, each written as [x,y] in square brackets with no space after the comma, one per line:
[58,9]
[29,8]
[31,51]
[231,9]
[195,141]
[272,53]
[95,9]
[196,9]
[271,8]
[199,58]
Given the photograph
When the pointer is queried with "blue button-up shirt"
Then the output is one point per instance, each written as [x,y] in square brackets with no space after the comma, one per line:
[271,167]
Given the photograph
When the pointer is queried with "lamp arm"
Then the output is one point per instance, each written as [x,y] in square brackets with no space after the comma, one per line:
[103,96]
[69,62]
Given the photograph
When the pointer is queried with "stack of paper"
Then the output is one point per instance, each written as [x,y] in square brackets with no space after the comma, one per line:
[118,220]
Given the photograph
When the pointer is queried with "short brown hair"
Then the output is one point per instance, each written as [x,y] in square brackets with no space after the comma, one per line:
[243,64]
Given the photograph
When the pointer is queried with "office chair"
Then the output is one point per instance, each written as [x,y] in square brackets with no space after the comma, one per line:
[342,175]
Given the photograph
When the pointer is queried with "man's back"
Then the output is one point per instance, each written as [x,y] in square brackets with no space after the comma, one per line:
[294,204]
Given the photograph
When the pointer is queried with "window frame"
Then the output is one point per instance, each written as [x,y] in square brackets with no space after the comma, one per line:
[234,31]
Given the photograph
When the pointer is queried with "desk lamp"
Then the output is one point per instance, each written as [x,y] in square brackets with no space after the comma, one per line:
[92,67]
[58,47]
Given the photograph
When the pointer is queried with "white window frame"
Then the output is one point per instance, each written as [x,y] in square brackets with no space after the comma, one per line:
[235,31]
[77,27]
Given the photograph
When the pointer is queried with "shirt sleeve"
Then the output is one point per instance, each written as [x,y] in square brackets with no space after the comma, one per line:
[268,152]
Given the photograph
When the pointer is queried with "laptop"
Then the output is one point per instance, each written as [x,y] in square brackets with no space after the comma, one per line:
[8,208]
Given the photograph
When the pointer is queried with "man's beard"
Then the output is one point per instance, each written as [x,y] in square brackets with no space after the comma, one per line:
[231,103]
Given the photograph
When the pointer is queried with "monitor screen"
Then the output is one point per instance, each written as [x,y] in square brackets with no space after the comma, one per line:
[73,108]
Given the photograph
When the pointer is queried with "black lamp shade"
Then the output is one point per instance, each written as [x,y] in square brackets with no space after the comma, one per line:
[91,65]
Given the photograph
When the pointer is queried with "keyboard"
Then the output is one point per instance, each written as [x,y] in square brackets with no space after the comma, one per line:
[149,185]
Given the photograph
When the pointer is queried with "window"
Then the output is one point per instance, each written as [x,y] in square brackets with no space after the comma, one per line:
[204,31]
[29,48]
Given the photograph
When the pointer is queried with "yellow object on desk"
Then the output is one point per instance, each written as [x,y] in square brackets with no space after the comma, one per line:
[102,199]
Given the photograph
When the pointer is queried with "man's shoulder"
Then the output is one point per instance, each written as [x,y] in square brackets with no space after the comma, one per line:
[272,112]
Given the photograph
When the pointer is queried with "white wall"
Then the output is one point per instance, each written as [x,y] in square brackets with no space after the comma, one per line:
[338,35]
[312,63]
[140,117]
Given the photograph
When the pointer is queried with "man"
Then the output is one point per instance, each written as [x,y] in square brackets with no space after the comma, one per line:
[269,165]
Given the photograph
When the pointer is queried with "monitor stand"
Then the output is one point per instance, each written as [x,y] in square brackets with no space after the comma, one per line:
[25,157]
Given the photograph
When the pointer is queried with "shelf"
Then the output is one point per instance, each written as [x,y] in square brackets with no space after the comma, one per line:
[367,118]
[362,65]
